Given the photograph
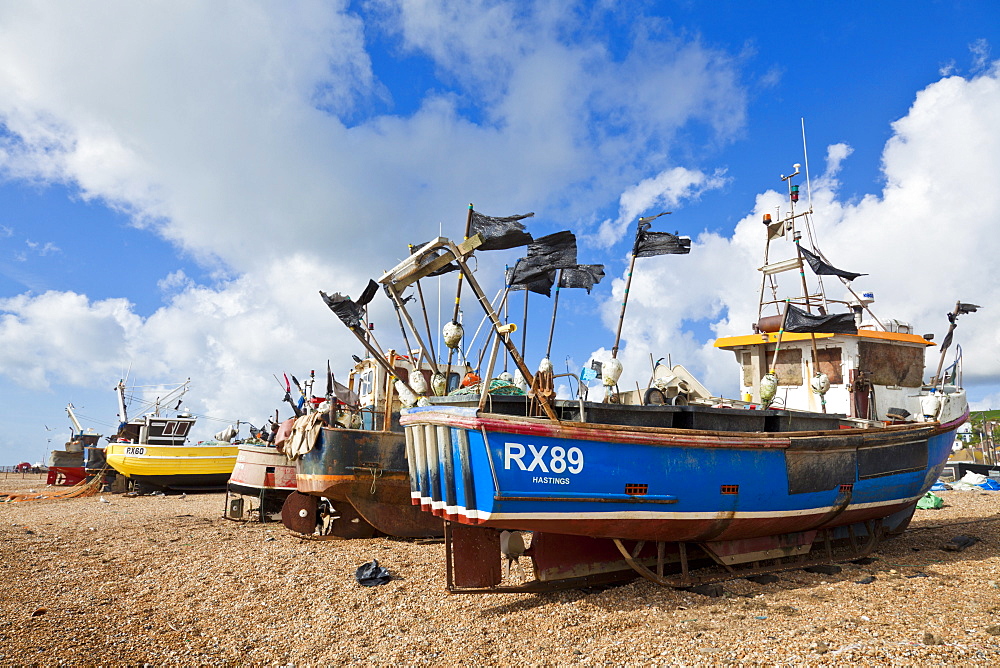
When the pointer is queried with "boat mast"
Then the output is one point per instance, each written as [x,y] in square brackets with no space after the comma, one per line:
[72,418]
[122,411]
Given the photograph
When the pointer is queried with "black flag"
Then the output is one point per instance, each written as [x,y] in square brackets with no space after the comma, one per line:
[821,268]
[651,244]
[581,276]
[351,313]
[500,233]
[537,282]
[964,308]
[798,321]
[550,252]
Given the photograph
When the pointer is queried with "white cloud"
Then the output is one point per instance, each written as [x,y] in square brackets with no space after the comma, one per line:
[228,339]
[665,190]
[64,335]
[42,249]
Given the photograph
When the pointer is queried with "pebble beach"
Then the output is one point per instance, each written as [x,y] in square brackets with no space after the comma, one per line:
[166,580]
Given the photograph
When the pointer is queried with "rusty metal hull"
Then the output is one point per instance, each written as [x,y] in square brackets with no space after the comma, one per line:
[368,470]
[665,484]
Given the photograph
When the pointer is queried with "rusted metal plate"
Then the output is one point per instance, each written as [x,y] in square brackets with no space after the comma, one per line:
[475,555]
[345,522]
[389,510]
[819,470]
[299,512]
[759,549]
[562,556]
[888,459]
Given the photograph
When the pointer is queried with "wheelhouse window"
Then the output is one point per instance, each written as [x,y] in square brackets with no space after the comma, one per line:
[176,428]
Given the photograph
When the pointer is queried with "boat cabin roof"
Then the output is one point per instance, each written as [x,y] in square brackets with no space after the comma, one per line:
[764,338]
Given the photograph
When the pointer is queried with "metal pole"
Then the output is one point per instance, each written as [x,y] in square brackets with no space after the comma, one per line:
[946,344]
[555,305]
[621,316]
[400,307]
[458,293]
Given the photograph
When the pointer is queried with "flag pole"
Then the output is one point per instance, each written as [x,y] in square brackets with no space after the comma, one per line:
[555,305]
[427,322]
[458,293]
[642,224]
[524,324]
[621,316]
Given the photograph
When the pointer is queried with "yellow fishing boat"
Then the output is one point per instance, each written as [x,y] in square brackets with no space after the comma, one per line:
[151,451]
[201,466]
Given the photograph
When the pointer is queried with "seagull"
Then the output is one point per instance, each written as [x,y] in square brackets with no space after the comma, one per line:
[182,496]
[512,547]
[103,500]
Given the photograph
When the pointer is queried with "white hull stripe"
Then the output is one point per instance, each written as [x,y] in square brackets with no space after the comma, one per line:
[651,514]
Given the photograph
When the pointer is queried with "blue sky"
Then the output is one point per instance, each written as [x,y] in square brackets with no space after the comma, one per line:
[177,181]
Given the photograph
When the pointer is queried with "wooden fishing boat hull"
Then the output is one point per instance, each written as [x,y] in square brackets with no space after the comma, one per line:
[665,484]
[261,468]
[260,483]
[367,470]
[175,467]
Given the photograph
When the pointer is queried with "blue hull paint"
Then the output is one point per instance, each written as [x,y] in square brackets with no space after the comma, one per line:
[669,490]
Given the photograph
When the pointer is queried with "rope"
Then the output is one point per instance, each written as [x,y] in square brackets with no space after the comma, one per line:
[85,488]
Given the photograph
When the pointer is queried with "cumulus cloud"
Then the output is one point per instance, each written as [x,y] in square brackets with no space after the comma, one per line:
[665,190]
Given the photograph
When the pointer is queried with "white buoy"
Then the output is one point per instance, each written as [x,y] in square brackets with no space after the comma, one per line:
[453,333]
[611,371]
[417,382]
[519,380]
[820,383]
[406,397]
[930,406]
[439,384]
[768,388]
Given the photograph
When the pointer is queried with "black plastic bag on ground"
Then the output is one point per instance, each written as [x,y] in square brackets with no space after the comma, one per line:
[371,574]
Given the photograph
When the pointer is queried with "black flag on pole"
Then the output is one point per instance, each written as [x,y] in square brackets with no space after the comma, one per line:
[651,244]
[537,282]
[553,251]
[581,276]
[799,321]
[351,313]
[500,233]
[821,268]
[550,252]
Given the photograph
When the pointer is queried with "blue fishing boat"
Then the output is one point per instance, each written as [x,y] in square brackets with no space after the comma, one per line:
[665,481]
